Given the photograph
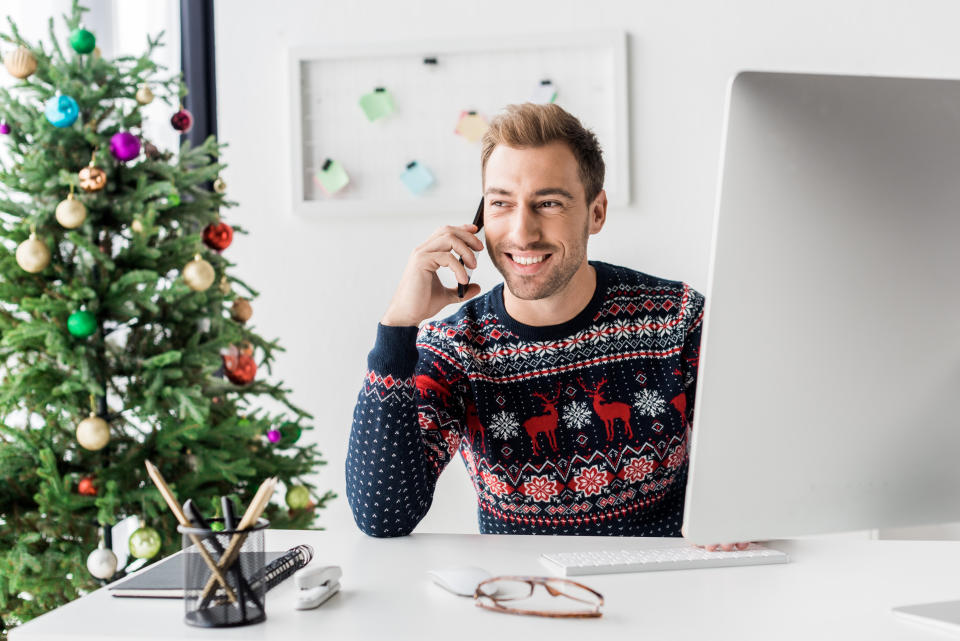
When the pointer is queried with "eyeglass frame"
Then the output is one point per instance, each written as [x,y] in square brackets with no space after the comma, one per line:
[534,581]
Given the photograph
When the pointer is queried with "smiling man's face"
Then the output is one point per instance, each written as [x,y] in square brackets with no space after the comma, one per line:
[537,220]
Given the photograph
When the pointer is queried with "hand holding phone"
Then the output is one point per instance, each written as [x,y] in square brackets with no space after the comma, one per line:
[420,293]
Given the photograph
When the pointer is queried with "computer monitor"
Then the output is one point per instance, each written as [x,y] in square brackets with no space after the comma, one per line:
[830,358]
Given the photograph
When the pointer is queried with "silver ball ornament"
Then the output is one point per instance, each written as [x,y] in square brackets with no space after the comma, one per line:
[102,563]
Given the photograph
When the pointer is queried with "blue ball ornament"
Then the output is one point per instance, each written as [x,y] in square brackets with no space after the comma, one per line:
[62,111]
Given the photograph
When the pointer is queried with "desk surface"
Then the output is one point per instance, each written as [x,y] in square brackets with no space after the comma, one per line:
[832,589]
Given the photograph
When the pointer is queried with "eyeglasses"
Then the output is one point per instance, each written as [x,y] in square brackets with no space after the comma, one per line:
[501,592]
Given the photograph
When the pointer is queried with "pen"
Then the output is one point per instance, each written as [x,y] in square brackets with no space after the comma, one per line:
[478,221]
[229,518]
[194,515]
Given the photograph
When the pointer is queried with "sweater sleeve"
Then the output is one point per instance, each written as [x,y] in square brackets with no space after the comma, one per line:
[691,353]
[407,425]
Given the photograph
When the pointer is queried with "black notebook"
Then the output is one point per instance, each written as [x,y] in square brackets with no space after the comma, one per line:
[163,579]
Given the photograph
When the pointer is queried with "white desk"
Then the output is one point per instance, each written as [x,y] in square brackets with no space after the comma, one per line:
[832,589]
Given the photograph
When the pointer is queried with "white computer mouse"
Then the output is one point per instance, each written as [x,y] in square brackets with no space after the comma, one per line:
[462,580]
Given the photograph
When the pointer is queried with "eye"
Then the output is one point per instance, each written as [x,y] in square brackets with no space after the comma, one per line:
[555,202]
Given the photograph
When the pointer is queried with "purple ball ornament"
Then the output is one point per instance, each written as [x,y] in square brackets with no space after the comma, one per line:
[124,146]
[274,436]
[4,127]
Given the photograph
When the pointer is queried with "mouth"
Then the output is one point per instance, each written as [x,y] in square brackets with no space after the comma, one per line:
[528,263]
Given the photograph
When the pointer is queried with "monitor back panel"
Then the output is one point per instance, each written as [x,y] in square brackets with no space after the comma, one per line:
[830,358]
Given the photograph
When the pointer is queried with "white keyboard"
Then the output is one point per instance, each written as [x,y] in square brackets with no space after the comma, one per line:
[686,557]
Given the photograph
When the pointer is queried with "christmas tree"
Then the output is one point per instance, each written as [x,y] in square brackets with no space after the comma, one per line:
[123,338]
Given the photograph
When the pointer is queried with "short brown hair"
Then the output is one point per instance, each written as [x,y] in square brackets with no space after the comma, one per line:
[535,125]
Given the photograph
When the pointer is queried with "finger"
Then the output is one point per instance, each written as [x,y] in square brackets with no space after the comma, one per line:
[743,546]
[727,547]
[712,548]
[452,243]
[465,233]
[469,236]
[446,258]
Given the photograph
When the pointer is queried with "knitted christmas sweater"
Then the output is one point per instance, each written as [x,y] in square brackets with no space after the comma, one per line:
[577,428]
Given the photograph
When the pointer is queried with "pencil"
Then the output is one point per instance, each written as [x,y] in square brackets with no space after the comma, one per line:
[250,518]
[174,506]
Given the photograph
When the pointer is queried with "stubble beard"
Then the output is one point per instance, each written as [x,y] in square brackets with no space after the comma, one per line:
[538,286]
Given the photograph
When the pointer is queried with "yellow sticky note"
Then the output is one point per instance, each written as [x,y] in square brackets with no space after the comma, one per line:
[471,126]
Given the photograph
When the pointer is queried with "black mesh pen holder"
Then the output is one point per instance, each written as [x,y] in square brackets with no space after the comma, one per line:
[223,577]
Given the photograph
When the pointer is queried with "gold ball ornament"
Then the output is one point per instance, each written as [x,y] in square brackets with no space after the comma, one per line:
[97,54]
[144,95]
[33,255]
[198,274]
[137,226]
[71,212]
[219,185]
[241,310]
[93,433]
[92,178]
[20,63]
[225,285]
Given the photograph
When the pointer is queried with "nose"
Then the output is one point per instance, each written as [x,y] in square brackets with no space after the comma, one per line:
[525,227]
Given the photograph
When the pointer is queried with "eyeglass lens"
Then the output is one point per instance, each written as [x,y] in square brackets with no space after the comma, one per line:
[547,595]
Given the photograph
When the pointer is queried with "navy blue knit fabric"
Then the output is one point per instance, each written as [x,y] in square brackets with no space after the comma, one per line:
[578,428]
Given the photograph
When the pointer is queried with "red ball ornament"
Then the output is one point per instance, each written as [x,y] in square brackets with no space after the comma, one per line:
[182,121]
[218,236]
[86,487]
[239,366]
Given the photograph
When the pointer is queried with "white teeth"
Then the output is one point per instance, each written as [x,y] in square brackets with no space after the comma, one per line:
[528,261]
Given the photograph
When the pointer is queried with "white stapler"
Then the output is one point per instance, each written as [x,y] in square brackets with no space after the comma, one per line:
[317,584]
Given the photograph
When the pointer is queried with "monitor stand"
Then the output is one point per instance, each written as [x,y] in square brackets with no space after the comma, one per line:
[944,615]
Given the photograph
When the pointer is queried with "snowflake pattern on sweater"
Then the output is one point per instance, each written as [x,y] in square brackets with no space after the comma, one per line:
[578,428]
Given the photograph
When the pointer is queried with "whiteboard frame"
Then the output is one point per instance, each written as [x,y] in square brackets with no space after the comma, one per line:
[618,149]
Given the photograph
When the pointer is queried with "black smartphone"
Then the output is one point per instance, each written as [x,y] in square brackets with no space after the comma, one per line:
[478,221]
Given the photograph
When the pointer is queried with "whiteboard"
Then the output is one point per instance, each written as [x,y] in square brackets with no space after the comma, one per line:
[589,71]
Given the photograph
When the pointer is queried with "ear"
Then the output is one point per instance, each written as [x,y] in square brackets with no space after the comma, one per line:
[598,212]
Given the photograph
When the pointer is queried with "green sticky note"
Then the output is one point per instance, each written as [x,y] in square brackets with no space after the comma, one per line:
[332,177]
[545,92]
[376,104]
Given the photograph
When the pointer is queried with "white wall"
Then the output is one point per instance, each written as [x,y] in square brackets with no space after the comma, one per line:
[325,283]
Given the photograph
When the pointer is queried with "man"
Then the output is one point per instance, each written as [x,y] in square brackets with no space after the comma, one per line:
[568,392]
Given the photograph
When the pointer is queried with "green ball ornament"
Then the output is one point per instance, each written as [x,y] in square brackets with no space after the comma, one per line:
[289,434]
[82,41]
[82,323]
[217,526]
[298,497]
[144,543]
